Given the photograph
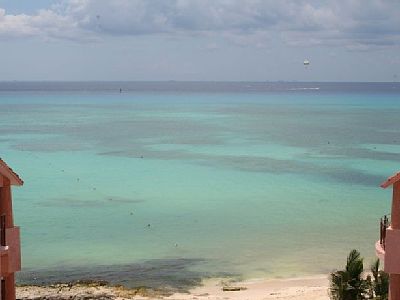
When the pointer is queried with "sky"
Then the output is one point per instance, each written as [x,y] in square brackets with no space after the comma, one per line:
[200,40]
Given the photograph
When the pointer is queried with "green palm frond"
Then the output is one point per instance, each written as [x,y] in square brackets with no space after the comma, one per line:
[348,284]
[381,282]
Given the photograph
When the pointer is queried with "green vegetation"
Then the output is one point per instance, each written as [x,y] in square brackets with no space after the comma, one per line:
[349,284]
[380,284]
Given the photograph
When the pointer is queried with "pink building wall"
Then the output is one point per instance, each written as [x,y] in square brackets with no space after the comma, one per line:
[10,252]
[389,249]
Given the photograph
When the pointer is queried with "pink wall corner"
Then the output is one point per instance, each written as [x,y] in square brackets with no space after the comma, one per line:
[14,249]
[392,251]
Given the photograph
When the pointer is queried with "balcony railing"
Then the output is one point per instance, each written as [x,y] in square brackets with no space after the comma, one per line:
[384,224]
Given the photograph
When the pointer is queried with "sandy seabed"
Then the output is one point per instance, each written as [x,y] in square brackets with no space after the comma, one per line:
[310,288]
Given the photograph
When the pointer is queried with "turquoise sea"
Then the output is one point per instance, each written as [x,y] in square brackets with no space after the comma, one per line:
[169,182]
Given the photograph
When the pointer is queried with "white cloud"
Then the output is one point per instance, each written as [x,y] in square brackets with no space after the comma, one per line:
[355,24]
[46,24]
[11,25]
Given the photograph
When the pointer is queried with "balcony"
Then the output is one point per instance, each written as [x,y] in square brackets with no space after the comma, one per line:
[384,224]
[388,246]
[381,244]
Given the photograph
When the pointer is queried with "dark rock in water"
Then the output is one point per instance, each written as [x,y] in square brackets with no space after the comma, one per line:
[232,288]
[83,291]
[162,275]
[90,282]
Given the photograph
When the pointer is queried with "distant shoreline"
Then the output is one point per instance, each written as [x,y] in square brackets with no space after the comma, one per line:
[121,87]
[188,81]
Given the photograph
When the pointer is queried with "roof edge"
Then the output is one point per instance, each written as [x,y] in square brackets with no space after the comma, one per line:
[6,171]
[391,180]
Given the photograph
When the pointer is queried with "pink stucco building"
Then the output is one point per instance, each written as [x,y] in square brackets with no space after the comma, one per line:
[10,248]
[388,246]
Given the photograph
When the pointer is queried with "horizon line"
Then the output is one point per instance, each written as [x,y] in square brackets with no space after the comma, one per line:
[188,81]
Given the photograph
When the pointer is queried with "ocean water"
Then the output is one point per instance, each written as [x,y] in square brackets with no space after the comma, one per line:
[168,182]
